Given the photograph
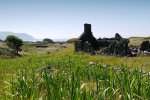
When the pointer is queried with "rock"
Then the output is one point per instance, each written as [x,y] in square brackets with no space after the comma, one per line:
[147,53]
[48,70]
[145,46]
[92,63]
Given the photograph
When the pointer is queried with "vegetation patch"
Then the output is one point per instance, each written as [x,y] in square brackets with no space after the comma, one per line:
[72,75]
[57,72]
[5,52]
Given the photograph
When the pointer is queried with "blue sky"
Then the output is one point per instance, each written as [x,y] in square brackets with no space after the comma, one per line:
[65,18]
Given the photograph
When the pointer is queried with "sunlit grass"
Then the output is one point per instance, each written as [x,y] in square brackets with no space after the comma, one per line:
[73,77]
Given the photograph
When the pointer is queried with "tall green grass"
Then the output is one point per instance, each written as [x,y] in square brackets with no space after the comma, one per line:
[73,77]
[78,81]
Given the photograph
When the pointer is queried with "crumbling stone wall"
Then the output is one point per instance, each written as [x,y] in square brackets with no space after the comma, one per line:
[114,46]
[78,46]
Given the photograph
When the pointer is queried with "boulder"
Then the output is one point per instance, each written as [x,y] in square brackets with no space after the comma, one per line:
[145,46]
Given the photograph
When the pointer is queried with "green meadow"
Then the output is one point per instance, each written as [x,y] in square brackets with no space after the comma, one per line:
[72,76]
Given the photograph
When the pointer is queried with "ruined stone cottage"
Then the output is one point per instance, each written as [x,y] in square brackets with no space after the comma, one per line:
[106,46]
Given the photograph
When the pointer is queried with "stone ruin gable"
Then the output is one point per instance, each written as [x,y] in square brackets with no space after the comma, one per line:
[87,37]
[78,46]
[87,40]
[118,37]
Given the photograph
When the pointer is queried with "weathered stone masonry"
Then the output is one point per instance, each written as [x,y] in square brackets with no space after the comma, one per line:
[107,46]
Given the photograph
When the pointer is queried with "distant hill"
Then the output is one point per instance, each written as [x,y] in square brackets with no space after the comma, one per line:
[72,40]
[138,40]
[47,40]
[59,40]
[23,36]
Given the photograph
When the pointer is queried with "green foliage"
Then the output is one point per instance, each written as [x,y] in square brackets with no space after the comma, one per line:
[14,42]
[73,81]
[6,52]
[73,77]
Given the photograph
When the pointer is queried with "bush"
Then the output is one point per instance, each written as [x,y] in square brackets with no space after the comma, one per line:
[7,52]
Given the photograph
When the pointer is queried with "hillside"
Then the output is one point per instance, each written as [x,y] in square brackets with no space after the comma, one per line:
[23,36]
[72,40]
[138,40]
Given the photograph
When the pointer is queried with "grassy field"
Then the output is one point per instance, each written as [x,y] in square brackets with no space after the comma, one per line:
[73,76]
[138,40]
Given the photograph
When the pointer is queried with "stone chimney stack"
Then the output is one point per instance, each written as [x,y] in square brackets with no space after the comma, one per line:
[87,36]
[87,28]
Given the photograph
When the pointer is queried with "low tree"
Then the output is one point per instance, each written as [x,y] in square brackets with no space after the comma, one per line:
[14,42]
